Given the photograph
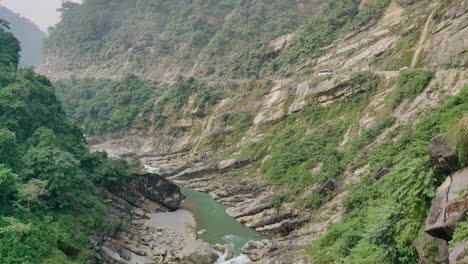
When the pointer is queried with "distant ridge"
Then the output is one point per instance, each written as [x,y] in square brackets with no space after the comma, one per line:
[28,33]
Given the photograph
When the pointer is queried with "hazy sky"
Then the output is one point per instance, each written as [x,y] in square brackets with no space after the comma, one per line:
[42,12]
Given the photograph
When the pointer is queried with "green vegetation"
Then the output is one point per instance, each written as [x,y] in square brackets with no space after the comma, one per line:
[458,134]
[232,129]
[460,233]
[102,105]
[385,216]
[49,181]
[223,38]
[410,84]
[9,55]
[303,148]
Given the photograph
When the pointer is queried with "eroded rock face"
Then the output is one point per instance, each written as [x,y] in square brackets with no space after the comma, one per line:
[448,206]
[443,155]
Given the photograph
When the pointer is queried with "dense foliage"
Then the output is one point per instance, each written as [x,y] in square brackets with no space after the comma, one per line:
[104,105]
[29,35]
[49,195]
[410,84]
[223,38]
[9,54]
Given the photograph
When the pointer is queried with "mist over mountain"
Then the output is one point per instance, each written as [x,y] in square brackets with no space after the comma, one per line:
[28,33]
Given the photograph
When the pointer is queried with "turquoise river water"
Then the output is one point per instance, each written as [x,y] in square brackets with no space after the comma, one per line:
[221,228]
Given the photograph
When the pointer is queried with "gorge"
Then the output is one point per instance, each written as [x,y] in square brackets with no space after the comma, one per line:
[200,132]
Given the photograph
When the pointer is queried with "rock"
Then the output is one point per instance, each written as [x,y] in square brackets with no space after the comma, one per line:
[201,232]
[219,248]
[459,253]
[233,163]
[431,250]
[251,206]
[256,249]
[382,172]
[157,189]
[408,30]
[223,117]
[270,219]
[111,256]
[448,208]
[284,227]
[323,188]
[198,252]
[443,154]
[229,255]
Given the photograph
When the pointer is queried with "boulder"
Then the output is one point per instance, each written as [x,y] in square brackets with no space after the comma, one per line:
[219,248]
[431,250]
[111,256]
[459,253]
[156,189]
[229,255]
[382,172]
[448,206]
[256,249]
[443,155]
[198,252]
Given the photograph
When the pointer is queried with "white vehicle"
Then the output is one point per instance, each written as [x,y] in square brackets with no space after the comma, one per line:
[403,68]
[325,73]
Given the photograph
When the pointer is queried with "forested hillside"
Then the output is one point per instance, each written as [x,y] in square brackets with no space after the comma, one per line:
[50,183]
[233,39]
[29,35]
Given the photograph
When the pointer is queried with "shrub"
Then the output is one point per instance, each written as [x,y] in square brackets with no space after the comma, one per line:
[458,135]
[410,84]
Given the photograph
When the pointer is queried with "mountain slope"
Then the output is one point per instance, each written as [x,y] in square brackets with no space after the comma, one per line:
[242,39]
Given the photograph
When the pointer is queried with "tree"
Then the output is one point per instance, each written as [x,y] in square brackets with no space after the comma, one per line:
[65,180]
[30,194]
[7,146]
[9,53]
[8,182]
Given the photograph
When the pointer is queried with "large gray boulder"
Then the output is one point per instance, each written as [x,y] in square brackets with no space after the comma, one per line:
[198,252]
[150,191]
[459,253]
[443,155]
[449,206]
[431,250]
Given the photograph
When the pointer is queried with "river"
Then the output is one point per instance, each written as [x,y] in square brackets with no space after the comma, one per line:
[211,216]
